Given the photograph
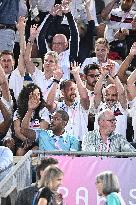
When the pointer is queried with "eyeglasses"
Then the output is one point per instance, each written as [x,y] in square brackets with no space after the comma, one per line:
[112,120]
[58,43]
[93,76]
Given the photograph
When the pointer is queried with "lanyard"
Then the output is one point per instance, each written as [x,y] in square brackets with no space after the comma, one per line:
[107,146]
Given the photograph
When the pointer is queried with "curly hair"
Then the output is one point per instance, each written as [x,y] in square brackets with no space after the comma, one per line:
[22,102]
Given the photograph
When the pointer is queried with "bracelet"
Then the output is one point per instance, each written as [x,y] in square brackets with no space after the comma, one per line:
[56,81]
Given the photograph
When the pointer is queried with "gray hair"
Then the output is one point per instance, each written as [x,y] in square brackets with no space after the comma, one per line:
[110,182]
[102,113]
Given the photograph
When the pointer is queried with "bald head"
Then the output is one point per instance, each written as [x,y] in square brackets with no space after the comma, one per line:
[59,43]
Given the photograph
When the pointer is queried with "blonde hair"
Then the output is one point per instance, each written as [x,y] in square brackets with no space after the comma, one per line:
[53,54]
[50,173]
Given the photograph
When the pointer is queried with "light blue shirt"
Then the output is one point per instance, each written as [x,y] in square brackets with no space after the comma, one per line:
[48,141]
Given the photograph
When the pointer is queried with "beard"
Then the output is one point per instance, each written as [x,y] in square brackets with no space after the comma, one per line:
[111,103]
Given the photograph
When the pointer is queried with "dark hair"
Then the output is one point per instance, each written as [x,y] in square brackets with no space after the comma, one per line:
[6,52]
[89,67]
[22,102]
[64,115]
[66,83]
[44,163]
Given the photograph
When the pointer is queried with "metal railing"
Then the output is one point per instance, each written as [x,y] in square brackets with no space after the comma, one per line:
[21,177]
[18,178]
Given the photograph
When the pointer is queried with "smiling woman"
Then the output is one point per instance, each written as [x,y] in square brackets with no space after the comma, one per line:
[49,184]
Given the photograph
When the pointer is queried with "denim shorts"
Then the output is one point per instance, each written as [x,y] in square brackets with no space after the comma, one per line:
[7,38]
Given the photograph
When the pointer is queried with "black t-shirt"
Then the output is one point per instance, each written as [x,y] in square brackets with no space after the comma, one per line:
[50,196]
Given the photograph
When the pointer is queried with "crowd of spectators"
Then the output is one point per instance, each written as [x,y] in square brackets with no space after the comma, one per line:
[85,89]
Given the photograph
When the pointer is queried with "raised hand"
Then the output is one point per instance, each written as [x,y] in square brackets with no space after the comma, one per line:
[133,49]
[34,32]
[20,25]
[33,102]
[65,6]
[56,10]
[87,3]
[58,74]
[2,76]
[75,68]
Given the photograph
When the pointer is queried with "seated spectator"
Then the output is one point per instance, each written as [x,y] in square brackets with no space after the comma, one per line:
[39,116]
[43,79]
[53,139]
[6,161]
[91,75]
[26,195]
[117,17]
[105,139]
[9,142]
[101,51]
[67,53]
[9,10]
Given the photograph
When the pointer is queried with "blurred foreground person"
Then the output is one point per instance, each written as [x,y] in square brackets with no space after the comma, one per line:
[26,196]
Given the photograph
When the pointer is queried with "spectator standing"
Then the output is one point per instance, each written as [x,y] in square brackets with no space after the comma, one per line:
[67,53]
[8,16]
[113,97]
[102,59]
[50,182]
[91,74]
[117,18]
[107,185]
[26,195]
[51,63]
[75,102]
[131,88]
